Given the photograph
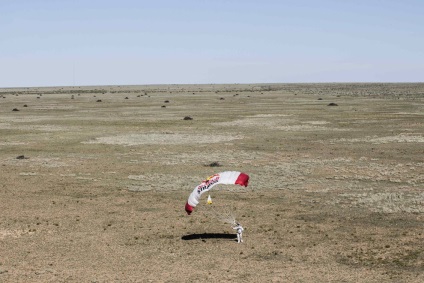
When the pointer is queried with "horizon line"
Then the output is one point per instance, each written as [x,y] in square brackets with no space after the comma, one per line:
[192,84]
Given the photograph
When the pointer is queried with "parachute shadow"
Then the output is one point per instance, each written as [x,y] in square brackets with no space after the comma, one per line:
[208,236]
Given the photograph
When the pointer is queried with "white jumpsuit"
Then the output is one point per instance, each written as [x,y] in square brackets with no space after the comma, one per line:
[239,229]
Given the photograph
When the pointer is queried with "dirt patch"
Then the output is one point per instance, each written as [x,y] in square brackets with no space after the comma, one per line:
[401,138]
[159,138]
[276,123]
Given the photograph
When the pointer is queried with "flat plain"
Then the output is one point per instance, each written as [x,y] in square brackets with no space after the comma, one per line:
[93,183]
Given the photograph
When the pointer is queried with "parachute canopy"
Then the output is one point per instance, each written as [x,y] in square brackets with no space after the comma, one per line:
[226,178]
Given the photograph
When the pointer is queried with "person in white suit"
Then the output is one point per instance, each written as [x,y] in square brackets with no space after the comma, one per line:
[239,229]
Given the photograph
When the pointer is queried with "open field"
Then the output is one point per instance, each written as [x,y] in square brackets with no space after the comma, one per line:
[336,192]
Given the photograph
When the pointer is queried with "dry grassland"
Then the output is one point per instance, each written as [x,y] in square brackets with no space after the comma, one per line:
[98,191]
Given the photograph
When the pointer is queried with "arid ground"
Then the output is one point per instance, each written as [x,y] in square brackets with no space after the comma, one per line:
[94,180]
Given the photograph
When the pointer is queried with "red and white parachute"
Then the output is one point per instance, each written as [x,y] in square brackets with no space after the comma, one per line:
[226,178]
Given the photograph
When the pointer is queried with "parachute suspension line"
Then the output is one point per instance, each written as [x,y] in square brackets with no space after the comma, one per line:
[222,213]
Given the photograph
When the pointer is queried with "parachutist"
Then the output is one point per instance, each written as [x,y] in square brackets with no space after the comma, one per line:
[239,229]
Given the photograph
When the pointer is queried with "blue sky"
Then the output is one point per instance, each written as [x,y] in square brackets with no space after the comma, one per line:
[101,42]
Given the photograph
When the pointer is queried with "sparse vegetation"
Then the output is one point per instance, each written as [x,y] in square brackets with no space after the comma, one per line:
[335,195]
[214,164]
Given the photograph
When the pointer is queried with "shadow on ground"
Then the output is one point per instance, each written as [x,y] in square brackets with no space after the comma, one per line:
[208,236]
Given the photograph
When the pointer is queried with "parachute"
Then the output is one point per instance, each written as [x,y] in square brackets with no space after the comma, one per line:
[226,178]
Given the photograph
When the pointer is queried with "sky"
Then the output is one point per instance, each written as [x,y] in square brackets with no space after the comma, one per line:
[130,42]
